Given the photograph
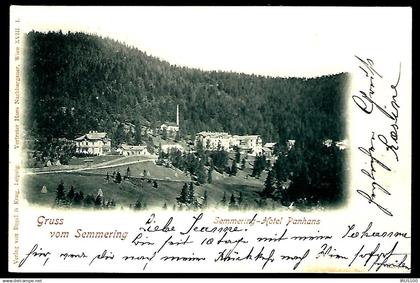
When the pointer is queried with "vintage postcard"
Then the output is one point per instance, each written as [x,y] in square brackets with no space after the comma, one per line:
[210,139]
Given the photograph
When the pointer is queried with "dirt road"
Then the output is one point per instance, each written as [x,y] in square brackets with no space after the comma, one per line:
[103,165]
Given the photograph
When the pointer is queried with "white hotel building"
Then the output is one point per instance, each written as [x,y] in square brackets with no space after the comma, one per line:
[93,143]
[250,144]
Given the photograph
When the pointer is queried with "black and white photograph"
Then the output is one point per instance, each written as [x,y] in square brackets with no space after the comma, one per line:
[210,139]
[109,125]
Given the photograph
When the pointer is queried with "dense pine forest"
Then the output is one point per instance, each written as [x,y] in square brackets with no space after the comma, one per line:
[78,82]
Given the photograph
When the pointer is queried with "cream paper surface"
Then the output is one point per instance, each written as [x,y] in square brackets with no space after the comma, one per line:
[365,235]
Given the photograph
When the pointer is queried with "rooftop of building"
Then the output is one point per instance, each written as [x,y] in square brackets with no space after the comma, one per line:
[212,134]
[132,147]
[93,135]
[270,144]
[246,136]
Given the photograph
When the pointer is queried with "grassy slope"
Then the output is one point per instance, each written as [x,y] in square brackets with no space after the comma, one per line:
[88,184]
[136,170]
[128,192]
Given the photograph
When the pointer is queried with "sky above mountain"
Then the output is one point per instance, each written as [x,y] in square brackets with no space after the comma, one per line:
[274,41]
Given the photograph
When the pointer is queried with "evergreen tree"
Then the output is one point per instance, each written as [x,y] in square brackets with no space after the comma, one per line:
[120,136]
[81,196]
[201,173]
[209,176]
[165,206]
[199,149]
[237,154]
[61,195]
[177,136]
[150,145]
[138,135]
[191,200]
[243,164]
[205,200]
[233,169]
[164,134]
[70,194]
[269,185]
[232,201]
[223,201]
[182,198]
[118,178]
[161,155]
[259,166]
[281,170]
[138,205]
[155,184]
[98,201]
[240,199]
[220,158]
[77,200]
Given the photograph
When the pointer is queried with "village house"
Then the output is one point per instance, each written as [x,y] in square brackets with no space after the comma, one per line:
[171,128]
[268,149]
[290,144]
[328,142]
[342,145]
[250,144]
[96,143]
[132,150]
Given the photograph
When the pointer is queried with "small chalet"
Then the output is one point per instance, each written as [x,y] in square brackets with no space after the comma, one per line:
[96,143]
[169,127]
[130,150]
[290,144]
[268,149]
[342,145]
[250,144]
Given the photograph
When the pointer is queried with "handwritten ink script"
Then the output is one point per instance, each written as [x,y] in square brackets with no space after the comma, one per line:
[192,243]
[378,100]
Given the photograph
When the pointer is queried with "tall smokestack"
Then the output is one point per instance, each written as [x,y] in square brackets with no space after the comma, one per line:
[177,115]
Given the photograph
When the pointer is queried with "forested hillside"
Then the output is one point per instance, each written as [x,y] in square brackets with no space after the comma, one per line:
[78,82]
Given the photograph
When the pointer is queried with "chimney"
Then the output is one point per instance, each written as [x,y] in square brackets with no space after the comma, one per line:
[177,115]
